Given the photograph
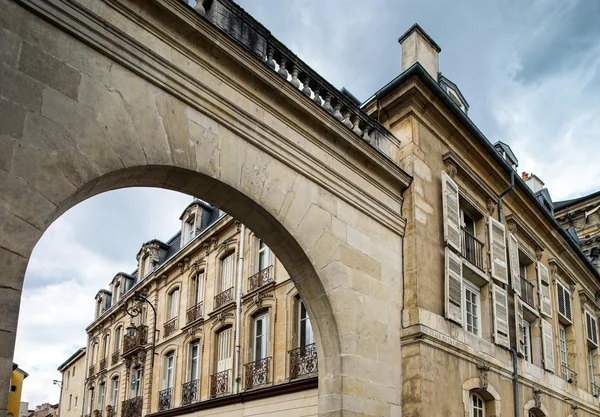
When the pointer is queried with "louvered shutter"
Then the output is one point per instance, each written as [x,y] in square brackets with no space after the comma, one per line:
[451,212]
[547,345]
[564,301]
[227,272]
[519,332]
[454,291]
[544,290]
[500,300]
[591,330]
[498,250]
[513,253]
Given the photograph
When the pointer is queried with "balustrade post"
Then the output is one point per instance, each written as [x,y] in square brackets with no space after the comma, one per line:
[336,111]
[282,69]
[306,89]
[327,106]
[316,97]
[270,61]
[295,82]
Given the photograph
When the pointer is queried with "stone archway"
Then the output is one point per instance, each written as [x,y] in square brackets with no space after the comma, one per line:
[78,118]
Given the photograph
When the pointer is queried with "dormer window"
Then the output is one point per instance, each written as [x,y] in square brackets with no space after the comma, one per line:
[189,230]
[147,265]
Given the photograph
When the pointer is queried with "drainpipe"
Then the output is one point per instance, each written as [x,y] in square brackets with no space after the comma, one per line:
[85,375]
[238,308]
[513,353]
[510,187]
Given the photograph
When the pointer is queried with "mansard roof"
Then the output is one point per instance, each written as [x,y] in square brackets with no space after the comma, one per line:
[559,205]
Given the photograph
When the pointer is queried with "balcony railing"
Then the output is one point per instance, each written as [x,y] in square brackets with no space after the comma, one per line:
[528,292]
[472,249]
[92,370]
[260,278]
[595,389]
[103,364]
[224,298]
[303,361]
[190,392]
[219,384]
[257,373]
[115,358]
[139,339]
[193,313]
[165,399]
[568,374]
[170,327]
[132,407]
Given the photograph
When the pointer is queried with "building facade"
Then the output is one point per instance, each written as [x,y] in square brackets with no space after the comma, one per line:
[72,385]
[16,389]
[227,322]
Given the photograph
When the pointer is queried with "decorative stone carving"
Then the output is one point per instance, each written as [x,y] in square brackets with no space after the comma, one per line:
[537,397]
[538,253]
[206,247]
[512,226]
[491,206]
[575,409]
[483,368]
[451,169]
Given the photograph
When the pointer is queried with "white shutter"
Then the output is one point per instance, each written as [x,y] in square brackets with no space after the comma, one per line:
[544,290]
[500,300]
[564,302]
[174,304]
[513,253]
[227,272]
[451,212]
[498,250]
[519,332]
[547,345]
[591,330]
[454,291]
[224,350]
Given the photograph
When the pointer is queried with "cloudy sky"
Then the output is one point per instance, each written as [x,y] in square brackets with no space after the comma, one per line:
[529,70]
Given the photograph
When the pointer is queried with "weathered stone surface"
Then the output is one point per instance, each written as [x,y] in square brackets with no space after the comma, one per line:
[7,145]
[12,118]
[10,47]
[19,88]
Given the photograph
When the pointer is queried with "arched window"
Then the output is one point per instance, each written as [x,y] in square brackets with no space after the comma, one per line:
[220,382]
[477,405]
[197,286]
[114,396]
[169,370]
[136,383]
[260,336]
[118,335]
[303,328]
[173,303]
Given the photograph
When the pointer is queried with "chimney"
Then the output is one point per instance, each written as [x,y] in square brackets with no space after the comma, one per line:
[534,183]
[417,46]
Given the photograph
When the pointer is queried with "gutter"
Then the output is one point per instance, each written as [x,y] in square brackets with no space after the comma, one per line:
[238,308]
[417,70]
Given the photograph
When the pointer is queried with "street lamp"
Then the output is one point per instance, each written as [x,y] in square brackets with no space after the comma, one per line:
[57,382]
[134,310]
[131,329]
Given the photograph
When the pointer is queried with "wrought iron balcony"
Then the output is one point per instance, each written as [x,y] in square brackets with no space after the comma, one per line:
[165,399]
[257,373]
[190,392]
[138,340]
[595,389]
[103,364]
[92,370]
[194,313]
[220,384]
[223,298]
[132,407]
[260,278]
[472,249]
[303,361]
[568,374]
[528,292]
[170,327]
[115,358]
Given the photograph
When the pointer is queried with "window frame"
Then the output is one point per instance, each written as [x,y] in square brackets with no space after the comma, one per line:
[169,376]
[262,317]
[477,405]
[115,394]
[194,369]
[308,330]
[528,355]
[563,350]
[173,304]
[470,287]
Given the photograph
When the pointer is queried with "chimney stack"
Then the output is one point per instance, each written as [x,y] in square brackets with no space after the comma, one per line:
[417,46]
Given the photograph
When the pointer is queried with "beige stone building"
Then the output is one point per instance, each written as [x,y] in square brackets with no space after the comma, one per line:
[230,331]
[72,385]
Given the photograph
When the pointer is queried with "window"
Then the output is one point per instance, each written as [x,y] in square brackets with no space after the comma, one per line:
[562,335]
[67,380]
[147,265]
[564,303]
[105,346]
[477,406]
[194,361]
[169,371]
[189,230]
[70,400]
[305,332]
[592,371]
[90,400]
[197,283]
[527,341]
[261,337]
[115,395]
[75,401]
[102,389]
[116,293]
[94,353]
[264,256]
[73,373]
[472,308]
[227,272]
[224,350]
[173,303]
[118,338]
[136,380]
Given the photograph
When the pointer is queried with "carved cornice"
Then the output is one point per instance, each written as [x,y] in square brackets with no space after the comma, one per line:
[559,269]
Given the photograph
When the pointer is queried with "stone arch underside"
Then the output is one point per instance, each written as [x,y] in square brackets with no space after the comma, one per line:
[81,123]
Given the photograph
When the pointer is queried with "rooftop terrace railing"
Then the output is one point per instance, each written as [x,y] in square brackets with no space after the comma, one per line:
[254,37]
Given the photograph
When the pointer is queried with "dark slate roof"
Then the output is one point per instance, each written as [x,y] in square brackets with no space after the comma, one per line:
[505,148]
[443,80]
[571,231]
[559,205]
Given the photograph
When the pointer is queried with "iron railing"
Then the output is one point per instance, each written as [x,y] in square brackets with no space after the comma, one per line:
[92,370]
[224,298]
[115,358]
[303,361]
[132,407]
[193,313]
[170,327]
[568,374]
[103,364]
[528,292]
[595,389]
[139,339]
[165,399]
[260,278]
[472,249]
[256,373]
[219,384]
[190,392]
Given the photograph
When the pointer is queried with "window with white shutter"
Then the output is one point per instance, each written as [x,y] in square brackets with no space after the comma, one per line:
[454,292]
[472,308]
[513,254]
[591,330]
[498,261]
[227,272]
[451,212]
[519,328]
[544,290]
[547,345]
[564,303]
[500,307]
